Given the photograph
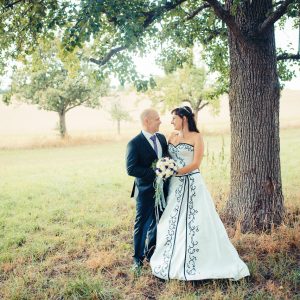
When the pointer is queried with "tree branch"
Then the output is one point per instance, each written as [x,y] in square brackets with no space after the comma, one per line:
[227,18]
[151,16]
[198,102]
[197,11]
[288,56]
[203,105]
[275,16]
[75,105]
[10,5]
[213,34]
[108,56]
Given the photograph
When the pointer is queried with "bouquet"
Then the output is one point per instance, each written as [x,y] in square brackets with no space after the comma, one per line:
[165,167]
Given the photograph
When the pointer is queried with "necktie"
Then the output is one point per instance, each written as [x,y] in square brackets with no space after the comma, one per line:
[153,139]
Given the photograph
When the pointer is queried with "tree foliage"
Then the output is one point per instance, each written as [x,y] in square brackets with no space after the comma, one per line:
[119,29]
[22,23]
[171,26]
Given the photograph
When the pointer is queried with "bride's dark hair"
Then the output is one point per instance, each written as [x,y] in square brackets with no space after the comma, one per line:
[186,111]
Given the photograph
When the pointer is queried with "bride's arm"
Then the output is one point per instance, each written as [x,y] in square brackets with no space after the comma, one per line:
[198,155]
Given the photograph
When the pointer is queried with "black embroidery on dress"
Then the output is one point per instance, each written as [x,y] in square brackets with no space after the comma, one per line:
[175,155]
[164,269]
[175,152]
[186,226]
[184,146]
[174,241]
[193,246]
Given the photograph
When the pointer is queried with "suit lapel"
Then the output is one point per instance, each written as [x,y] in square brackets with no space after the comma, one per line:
[147,144]
[162,143]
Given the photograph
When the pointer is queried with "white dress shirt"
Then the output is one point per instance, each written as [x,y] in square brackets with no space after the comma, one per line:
[148,135]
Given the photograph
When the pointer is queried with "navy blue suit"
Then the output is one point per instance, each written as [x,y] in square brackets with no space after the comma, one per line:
[139,159]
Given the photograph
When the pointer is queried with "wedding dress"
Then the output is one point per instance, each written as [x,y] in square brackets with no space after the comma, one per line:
[192,243]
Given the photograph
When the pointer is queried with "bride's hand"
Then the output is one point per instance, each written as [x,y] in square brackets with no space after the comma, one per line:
[179,172]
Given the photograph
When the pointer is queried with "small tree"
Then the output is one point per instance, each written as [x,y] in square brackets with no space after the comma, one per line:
[56,81]
[189,84]
[118,114]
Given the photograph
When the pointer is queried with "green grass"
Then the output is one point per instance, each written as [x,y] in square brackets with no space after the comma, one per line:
[66,227]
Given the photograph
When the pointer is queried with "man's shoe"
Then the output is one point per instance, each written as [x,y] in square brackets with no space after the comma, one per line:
[137,269]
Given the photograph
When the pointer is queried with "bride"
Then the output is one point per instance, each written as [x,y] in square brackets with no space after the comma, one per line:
[192,243]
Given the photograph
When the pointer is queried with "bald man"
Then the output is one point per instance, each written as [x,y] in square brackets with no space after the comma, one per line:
[142,151]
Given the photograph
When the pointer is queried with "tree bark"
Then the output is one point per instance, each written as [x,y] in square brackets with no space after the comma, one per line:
[255,199]
[62,124]
[196,108]
[196,113]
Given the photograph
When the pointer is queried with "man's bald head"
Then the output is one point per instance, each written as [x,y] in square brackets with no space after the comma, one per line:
[147,113]
[150,120]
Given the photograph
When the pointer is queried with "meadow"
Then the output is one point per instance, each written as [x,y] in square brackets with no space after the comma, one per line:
[66,222]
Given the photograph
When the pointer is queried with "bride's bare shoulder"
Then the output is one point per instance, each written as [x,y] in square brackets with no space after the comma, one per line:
[197,136]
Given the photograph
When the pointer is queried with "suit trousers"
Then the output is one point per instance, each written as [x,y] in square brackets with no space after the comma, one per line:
[144,236]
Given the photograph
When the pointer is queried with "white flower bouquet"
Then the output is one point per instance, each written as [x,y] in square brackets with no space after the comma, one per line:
[165,167]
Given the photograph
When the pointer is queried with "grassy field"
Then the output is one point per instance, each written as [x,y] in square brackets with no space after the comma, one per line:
[66,224]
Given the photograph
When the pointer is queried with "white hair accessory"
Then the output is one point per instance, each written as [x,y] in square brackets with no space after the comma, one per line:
[184,108]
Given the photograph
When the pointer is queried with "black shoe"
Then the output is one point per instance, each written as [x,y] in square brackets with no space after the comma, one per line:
[160,279]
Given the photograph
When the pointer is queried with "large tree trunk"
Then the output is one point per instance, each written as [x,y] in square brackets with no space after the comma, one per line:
[256,198]
[62,124]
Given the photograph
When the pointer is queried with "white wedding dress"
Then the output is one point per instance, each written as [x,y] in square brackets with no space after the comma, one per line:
[192,243]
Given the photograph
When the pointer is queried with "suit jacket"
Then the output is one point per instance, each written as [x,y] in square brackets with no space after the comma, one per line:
[139,159]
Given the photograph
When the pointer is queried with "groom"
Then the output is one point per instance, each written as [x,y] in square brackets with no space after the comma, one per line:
[142,152]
